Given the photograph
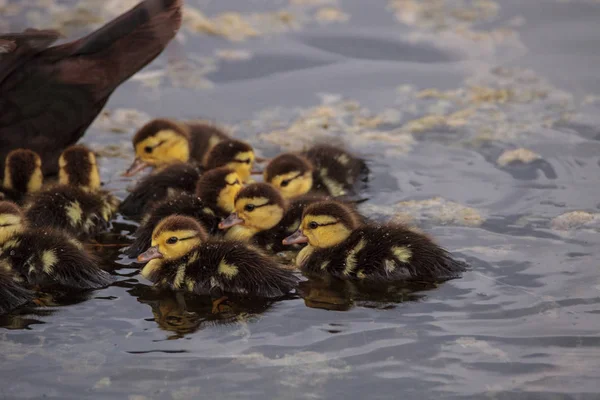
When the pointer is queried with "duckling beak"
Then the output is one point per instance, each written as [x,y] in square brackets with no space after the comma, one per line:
[230,221]
[296,238]
[150,254]
[137,166]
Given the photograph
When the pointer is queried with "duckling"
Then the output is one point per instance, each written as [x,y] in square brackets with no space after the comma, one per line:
[339,246]
[76,205]
[50,95]
[165,183]
[12,294]
[263,217]
[322,168]
[181,257]
[233,154]
[214,199]
[22,175]
[162,141]
[44,256]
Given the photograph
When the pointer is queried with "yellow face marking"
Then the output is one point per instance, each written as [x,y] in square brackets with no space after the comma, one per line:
[49,260]
[243,164]
[180,276]
[94,177]
[8,184]
[226,198]
[164,147]
[37,177]
[402,253]
[212,142]
[186,241]
[291,185]
[352,257]
[262,217]
[151,268]
[227,270]
[304,254]
[74,212]
[240,232]
[334,187]
[10,225]
[329,232]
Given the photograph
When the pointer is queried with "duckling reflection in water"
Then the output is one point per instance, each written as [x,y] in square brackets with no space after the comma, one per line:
[184,313]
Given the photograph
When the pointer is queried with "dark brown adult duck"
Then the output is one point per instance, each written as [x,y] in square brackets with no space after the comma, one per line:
[22,175]
[213,200]
[163,141]
[339,246]
[322,169]
[76,204]
[182,257]
[41,257]
[50,95]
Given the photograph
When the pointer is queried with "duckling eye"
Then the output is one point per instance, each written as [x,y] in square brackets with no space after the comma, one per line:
[249,207]
[285,183]
[148,149]
[172,240]
[313,225]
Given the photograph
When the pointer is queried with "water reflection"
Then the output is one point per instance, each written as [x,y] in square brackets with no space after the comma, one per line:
[183,313]
[339,295]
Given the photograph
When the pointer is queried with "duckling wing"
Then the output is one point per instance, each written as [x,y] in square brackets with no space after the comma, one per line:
[12,294]
[48,102]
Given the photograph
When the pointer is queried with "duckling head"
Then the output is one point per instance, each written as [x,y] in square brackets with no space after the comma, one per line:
[159,143]
[12,221]
[324,224]
[258,207]
[174,237]
[291,174]
[219,187]
[23,171]
[233,154]
[77,167]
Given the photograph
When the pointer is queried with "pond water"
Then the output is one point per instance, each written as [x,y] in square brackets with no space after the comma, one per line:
[480,120]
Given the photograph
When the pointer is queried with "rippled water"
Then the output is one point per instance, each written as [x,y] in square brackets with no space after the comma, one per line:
[522,324]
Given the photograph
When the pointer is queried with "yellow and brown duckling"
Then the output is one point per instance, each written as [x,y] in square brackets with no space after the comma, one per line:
[163,141]
[49,95]
[233,154]
[160,185]
[182,257]
[76,205]
[339,246]
[320,169]
[12,293]
[213,200]
[263,217]
[22,175]
[40,257]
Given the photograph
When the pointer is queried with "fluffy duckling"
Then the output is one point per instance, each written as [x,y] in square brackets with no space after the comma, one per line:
[214,199]
[181,257]
[322,168]
[44,256]
[22,175]
[263,217]
[12,294]
[339,246]
[76,205]
[162,141]
[165,183]
[233,154]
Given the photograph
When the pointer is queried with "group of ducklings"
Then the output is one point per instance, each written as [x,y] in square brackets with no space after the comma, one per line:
[205,225]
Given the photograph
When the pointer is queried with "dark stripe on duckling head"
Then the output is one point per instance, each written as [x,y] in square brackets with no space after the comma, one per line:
[78,162]
[224,152]
[286,163]
[264,190]
[336,210]
[180,223]
[211,183]
[10,208]
[157,125]
[20,165]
